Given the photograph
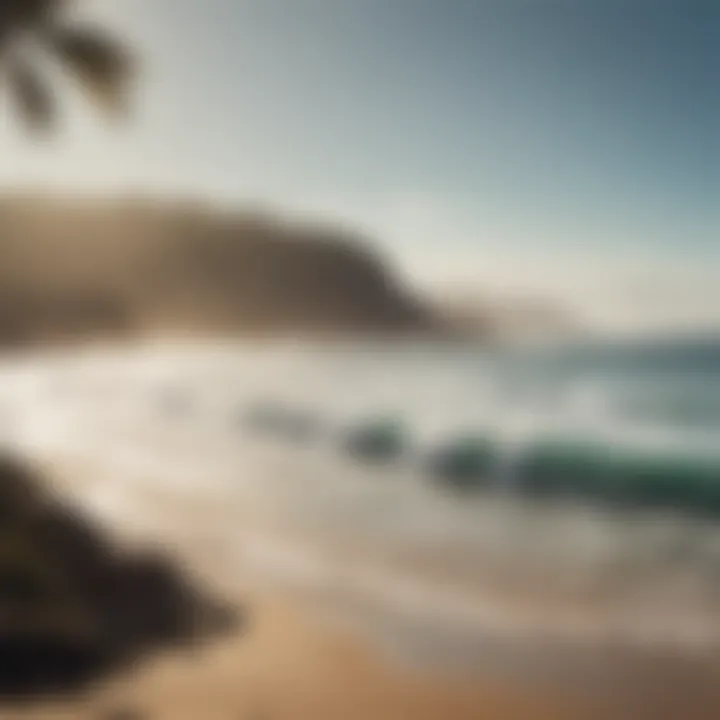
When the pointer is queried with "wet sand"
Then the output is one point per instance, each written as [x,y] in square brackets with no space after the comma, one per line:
[288,666]
[289,662]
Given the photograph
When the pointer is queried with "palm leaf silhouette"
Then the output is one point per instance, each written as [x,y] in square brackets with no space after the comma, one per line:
[102,65]
[33,98]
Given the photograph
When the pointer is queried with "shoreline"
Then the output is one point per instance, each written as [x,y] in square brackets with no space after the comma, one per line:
[289,664]
[295,660]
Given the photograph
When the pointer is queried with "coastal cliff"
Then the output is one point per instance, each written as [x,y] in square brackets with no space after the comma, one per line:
[73,269]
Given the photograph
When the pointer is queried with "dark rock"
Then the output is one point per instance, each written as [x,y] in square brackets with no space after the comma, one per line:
[72,606]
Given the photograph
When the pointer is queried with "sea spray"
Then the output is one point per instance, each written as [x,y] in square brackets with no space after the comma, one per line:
[599,556]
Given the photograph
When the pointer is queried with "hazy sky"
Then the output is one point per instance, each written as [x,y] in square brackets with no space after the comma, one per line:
[560,147]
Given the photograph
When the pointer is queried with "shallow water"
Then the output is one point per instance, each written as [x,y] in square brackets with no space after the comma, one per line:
[382,539]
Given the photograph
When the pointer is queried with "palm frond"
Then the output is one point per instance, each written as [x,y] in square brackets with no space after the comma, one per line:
[103,65]
[32,98]
[25,14]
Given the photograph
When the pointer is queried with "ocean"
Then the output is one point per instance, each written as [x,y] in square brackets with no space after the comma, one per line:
[451,497]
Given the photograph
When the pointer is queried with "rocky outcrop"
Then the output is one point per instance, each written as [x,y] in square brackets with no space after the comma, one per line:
[74,605]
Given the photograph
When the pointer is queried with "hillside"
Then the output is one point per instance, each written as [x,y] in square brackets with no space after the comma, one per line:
[82,268]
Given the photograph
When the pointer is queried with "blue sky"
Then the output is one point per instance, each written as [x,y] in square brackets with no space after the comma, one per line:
[567,148]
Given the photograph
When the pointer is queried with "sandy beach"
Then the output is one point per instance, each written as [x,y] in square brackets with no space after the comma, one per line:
[362,362]
[188,486]
[287,662]
[287,666]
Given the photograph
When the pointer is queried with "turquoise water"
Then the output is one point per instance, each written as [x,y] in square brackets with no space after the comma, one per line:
[563,493]
[634,425]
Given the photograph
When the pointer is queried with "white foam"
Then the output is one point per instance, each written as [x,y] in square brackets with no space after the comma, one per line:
[106,408]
